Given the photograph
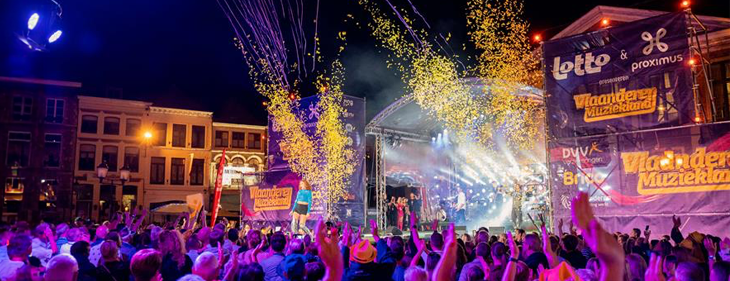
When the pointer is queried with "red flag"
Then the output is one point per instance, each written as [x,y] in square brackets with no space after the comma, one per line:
[218,188]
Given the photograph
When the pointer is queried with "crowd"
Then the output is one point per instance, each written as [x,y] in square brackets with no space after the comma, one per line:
[121,249]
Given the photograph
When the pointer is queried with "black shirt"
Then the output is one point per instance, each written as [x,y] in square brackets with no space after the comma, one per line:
[170,270]
[575,258]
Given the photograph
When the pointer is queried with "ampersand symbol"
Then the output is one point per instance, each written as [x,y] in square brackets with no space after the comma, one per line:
[623,55]
[654,41]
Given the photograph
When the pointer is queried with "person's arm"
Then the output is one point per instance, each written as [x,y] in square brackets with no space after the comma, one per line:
[511,270]
[447,263]
[676,233]
[560,228]
[329,252]
[51,240]
[421,246]
[374,231]
[610,254]
[140,220]
[711,251]
[552,257]
[296,199]
[309,200]
[655,269]
[232,271]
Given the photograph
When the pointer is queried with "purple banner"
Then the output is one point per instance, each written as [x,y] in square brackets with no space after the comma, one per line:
[352,208]
[270,200]
[640,179]
[629,77]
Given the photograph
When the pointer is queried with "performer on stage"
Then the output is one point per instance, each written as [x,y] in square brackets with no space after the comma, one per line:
[301,208]
[401,211]
[461,206]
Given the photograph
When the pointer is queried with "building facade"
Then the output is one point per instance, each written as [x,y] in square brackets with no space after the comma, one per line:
[110,131]
[179,152]
[245,153]
[37,132]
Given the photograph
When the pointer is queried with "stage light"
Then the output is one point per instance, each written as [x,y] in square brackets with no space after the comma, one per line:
[433,139]
[33,21]
[685,4]
[484,190]
[54,36]
[698,119]
[265,103]
[537,38]
[605,22]
[692,62]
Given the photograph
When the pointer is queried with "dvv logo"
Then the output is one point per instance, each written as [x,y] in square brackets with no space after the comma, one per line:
[654,41]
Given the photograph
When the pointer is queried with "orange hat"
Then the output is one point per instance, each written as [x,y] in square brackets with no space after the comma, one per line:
[363,252]
[560,273]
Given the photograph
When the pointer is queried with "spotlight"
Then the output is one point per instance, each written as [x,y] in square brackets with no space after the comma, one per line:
[698,119]
[536,38]
[33,21]
[292,96]
[605,22]
[685,4]
[54,36]
[692,62]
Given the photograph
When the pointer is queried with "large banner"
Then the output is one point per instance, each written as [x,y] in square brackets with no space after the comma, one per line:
[271,198]
[629,77]
[644,178]
[353,208]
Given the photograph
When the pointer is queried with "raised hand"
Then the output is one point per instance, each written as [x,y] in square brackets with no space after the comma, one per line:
[445,266]
[710,246]
[373,230]
[547,247]
[513,249]
[655,268]
[414,220]
[606,248]
[347,235]
[677,221]
[329,252]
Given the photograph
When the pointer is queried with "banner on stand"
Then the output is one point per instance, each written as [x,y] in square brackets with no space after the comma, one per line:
[625,78]
[352,208]
[644,178]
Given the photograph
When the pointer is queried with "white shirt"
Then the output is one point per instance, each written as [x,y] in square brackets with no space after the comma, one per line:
[461,201]
[66,248]
[8,269]
[42,251]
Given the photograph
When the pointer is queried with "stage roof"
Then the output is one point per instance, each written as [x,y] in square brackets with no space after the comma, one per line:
[406,117]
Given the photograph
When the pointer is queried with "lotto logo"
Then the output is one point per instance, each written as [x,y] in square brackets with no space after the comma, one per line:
[580,66]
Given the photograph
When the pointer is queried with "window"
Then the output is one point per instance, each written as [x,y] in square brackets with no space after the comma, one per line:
[111,126]
[254,141]
[131,158]
[18,149]
[54,110]
[177,171]
[22,108]
[197,172]
[178,135]
[221,139]
[52,148]
[198,137]
[160,134]
[132,128]
[254,163]
[109,155]
[88,124]
[87,157]
[238,162]
[157,170]
[238,140]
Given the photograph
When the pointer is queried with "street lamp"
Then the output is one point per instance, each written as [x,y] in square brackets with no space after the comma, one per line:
[147,135]
[124,174]
[102,170]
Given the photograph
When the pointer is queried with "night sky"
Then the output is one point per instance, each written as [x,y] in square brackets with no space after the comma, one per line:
[181,53]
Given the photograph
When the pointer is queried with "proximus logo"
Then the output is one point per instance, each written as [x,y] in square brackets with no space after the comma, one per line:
[580,66]
[654,41]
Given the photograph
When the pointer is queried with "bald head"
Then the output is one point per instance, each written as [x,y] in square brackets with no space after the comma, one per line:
[62,268]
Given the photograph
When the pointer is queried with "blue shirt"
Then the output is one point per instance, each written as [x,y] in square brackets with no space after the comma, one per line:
[303,196]
[270,267]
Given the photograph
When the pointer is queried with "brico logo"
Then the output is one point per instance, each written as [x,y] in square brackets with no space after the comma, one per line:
[580,66]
